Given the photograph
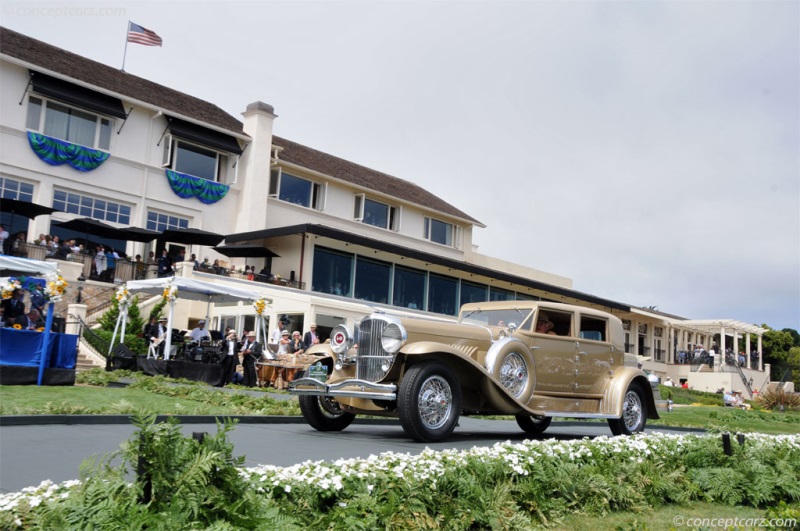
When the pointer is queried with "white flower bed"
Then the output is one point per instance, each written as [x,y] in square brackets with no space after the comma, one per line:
[427,466]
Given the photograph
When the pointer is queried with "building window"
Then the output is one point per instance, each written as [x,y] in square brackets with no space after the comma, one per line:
[409,288]
[659,352]
[372,280]
[442,292]
[471,292]
[68,123]
[333,272]
[296,190]
[162,222]
[13,189]
[376,213]
[440,232]
[91,207]
[498,294]
[196,160]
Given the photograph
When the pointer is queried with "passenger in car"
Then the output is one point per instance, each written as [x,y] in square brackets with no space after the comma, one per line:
[544,325]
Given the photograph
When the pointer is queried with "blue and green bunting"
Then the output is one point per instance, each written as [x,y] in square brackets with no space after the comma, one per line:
[206,191]
[57,152]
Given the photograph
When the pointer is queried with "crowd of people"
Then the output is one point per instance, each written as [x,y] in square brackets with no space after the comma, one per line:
[700,355]
[13,311]
[233,349]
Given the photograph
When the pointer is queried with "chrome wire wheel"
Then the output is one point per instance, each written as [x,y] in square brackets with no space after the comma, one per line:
[513,374]
[435,402]
[632,411]
[330,407]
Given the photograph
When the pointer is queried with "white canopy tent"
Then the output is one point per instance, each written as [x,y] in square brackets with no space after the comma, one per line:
[26,265]
[190,289]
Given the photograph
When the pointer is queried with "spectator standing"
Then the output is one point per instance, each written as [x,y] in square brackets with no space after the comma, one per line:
[164,265]
[14,306]
[3,238]
[311,338]
[37,299]
[230,358]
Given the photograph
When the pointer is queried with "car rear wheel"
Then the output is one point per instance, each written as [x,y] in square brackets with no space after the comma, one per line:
[323,413]
[429,401]
[533,424]
[634,413]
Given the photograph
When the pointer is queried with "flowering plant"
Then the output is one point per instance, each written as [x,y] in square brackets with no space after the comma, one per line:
[55,287]
[170,293]
[17,326]
[40,329]
[123,296]
[261,306]
[8,285]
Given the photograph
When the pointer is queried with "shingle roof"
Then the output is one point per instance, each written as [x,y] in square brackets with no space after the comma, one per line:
[68,64]
[364,177]
[72,65]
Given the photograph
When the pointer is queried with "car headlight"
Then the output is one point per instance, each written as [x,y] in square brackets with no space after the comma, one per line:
[341,339]
[393,337]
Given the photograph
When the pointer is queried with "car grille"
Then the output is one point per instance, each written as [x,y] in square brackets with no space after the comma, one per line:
[371,355]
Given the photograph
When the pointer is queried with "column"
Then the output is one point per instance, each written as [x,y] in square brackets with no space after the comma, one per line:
[760,354]
[721,353]
[75,311]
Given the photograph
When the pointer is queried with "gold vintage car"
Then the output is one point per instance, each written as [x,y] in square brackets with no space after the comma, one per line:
[534,360]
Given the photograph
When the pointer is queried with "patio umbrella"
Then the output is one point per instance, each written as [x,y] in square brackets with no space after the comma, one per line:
[25,208]
[93,227]
[245,251]
[191,237]
[138,234]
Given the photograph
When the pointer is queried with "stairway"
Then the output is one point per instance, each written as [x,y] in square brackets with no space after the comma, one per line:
[87,359]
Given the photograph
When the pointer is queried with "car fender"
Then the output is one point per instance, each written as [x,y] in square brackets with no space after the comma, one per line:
[621,379]
[470,372]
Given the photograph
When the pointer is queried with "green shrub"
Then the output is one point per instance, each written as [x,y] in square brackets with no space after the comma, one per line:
[778,399]
[679,395]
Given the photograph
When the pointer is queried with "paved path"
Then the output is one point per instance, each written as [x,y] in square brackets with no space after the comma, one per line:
[32,453]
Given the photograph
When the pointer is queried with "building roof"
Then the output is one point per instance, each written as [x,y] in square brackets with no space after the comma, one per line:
[59,61]
[361,176]
[432,258]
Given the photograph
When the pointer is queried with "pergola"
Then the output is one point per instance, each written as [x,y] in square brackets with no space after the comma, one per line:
[726,327]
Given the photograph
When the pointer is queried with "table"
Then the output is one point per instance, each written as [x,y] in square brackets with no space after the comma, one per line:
[279,376]
[24,347]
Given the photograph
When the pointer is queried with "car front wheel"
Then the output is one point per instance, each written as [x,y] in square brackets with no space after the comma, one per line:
[429,401]
[533,424]
[323,413]
[634,413]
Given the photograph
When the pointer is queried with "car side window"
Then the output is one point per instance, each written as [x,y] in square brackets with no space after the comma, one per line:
[562,323]
[593,328]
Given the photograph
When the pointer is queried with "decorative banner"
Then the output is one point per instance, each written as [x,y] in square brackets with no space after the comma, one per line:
[57,152]
[186,186]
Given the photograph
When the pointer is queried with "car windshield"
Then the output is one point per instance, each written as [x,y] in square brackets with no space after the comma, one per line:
[504,317]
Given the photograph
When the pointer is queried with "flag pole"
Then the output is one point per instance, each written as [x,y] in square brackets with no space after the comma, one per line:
[125,54]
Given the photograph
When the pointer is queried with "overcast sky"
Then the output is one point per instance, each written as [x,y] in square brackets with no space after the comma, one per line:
[648,150]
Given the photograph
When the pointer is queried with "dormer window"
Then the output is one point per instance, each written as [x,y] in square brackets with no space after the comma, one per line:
[441,232]
[296,190]
[68,123]
[199,151]
[376,213]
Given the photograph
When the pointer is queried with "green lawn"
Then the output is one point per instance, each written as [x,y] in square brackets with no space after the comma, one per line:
[33,400]
[668,517]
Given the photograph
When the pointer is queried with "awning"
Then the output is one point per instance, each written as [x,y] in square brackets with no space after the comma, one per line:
[203,135]
[457,265]
[76,95]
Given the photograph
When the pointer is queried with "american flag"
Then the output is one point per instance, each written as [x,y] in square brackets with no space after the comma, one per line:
[140,35]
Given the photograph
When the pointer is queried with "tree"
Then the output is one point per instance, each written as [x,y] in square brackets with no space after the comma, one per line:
[776,346]
[135,322]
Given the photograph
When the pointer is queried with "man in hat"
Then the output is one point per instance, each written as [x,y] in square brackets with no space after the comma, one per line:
[544,325]
[311,338]
[251,353]
[230,358]
[199,334]
[668,382]
[158,336]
